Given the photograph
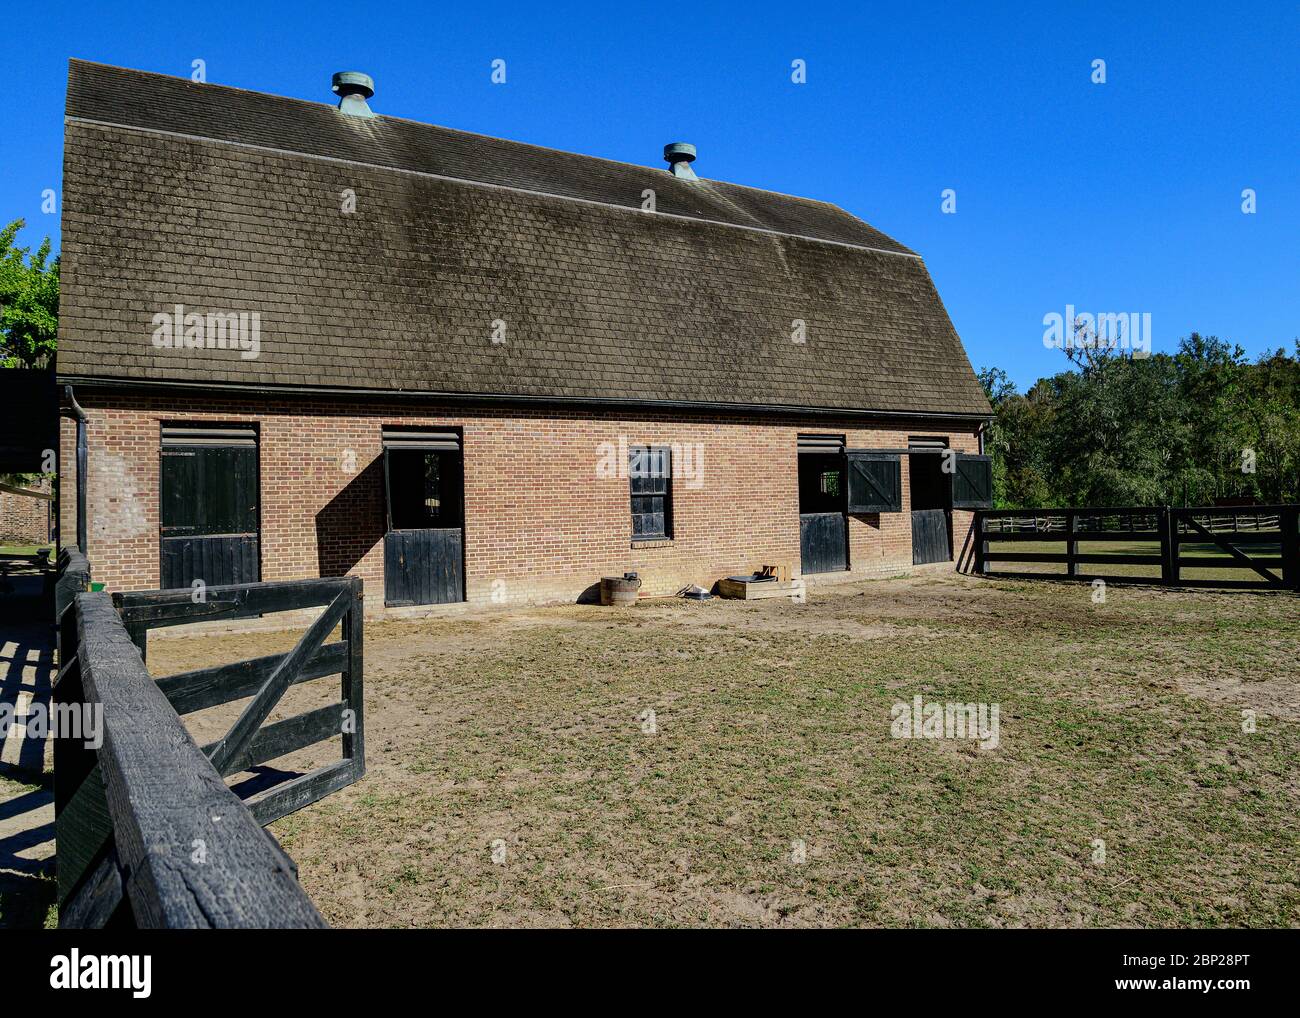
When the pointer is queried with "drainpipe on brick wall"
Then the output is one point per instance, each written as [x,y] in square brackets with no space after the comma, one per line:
[79,415]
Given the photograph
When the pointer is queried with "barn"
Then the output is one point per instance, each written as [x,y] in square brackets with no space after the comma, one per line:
[309,340]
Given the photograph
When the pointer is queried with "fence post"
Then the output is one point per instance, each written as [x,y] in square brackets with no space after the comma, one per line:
[138,632]
[1289,520]
[354,745]
[73,579]
[1071,542]
[981,545]
[1162,528]
[1169,570]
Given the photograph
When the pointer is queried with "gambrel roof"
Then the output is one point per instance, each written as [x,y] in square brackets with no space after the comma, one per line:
[382,254]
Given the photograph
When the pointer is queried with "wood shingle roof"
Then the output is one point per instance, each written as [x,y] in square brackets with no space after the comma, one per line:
[222,200]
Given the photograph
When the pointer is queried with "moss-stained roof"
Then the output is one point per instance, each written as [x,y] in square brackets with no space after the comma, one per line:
[223,200]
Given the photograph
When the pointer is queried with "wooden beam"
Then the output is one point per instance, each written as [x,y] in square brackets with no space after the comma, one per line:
[1079,535]
[1241,537]
[83,829]
[294,795]
[98,899]
[13,489]
[1290,524]
[284,737]
[155,608]
[1072,543]
[1073,561]
[207,687]
[353,680]
[1168,546]
[196,856]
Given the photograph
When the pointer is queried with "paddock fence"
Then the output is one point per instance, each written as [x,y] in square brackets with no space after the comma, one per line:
[148,832]
[1247,548]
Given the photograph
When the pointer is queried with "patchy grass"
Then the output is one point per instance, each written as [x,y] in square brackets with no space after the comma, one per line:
[1120,721]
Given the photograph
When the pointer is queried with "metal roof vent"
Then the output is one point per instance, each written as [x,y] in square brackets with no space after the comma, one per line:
[680,155]
[353,89]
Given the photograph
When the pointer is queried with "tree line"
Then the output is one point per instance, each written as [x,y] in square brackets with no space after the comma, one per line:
[1202,426]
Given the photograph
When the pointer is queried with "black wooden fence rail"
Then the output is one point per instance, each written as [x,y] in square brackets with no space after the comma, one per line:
[1246,535]
[146,828]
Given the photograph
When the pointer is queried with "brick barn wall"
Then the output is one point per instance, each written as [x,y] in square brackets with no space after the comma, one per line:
[25,520]
[541,523]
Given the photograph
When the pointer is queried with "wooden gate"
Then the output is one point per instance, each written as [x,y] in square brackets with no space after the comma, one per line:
[146,827]
[208,507]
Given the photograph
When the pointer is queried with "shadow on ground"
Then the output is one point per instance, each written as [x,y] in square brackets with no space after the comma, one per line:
[26,786]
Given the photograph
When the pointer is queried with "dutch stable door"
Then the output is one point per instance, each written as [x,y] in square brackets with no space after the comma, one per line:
[424,558]
[209,529]
[943,480]
[931,489]
[823,520]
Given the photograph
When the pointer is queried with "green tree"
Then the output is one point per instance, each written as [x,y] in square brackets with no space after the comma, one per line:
[1015,442]
[998,388]
[1201,426]
[29,301]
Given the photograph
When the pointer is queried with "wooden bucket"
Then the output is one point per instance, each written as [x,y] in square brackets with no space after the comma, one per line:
[615,590]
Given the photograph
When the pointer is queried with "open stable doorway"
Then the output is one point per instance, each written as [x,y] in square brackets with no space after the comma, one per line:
[424,480]
[823,516]
[931,490]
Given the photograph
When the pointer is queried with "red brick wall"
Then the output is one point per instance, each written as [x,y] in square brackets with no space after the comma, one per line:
[25,520]
[541,524]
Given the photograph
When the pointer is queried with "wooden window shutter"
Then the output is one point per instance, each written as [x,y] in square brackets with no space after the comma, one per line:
[875,482]
[972,482]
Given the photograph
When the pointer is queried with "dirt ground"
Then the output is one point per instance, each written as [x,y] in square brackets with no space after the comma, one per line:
[26,799]
[516,776]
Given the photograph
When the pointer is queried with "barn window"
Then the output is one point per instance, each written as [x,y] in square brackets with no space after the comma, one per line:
[649,471]
[830,483]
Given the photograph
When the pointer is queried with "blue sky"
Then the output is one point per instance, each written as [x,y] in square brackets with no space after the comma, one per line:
[1115,197]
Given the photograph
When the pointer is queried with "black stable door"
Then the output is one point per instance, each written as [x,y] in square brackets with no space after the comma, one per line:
[424,548]
[208,510]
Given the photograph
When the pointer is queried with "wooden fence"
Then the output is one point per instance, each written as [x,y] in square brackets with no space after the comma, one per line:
[1262,540]
[147,831]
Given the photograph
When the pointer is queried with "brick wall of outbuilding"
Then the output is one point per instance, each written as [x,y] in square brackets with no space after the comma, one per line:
[541,524]
[25,520]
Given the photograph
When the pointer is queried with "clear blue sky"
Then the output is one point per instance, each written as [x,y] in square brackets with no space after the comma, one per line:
[1120,197]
